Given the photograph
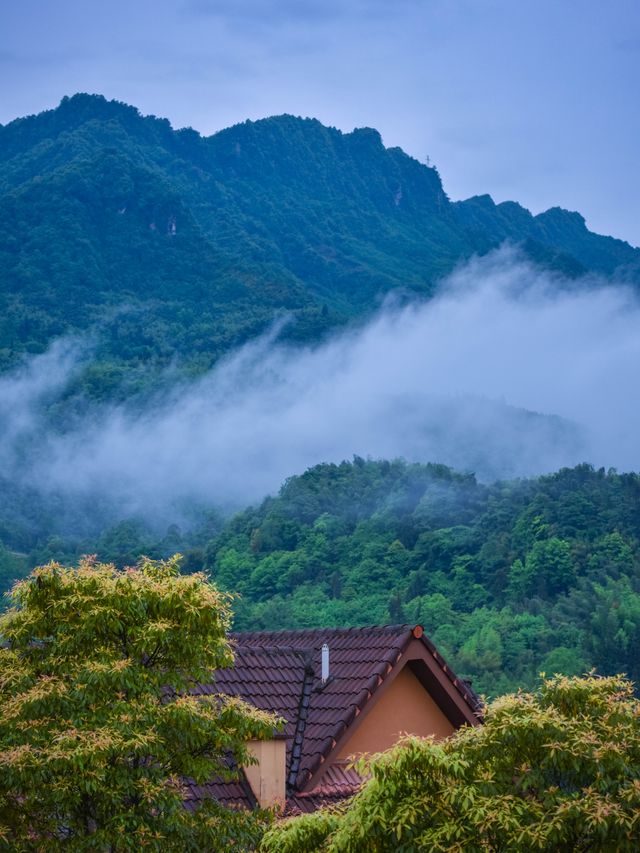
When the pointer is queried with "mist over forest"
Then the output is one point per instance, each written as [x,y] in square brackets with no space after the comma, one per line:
[509,371]
[285,353]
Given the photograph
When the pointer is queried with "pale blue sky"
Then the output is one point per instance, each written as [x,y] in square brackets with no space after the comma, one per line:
[532,101]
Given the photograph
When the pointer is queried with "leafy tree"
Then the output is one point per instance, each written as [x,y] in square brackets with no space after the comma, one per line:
[97,726]
[549,567]
[519,582]
[483,650]
[566,660]
[615,622]
[557,770]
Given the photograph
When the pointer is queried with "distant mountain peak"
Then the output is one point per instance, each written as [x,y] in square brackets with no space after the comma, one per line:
[203,240]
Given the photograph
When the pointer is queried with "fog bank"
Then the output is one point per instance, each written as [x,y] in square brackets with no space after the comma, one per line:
[452,380]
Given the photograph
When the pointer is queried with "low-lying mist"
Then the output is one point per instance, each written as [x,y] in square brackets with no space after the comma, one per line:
[508,371]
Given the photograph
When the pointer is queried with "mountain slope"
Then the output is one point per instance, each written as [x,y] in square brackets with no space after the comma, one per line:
[179,247]
[508,579]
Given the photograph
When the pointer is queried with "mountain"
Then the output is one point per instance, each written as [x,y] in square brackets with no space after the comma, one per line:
[509,579]
[175,247]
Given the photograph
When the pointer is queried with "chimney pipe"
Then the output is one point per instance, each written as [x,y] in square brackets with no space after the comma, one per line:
[325,663]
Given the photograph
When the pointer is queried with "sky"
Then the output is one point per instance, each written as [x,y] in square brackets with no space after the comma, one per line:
[530,100]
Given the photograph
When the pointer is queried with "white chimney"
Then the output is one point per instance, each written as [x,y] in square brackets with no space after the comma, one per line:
[325,663]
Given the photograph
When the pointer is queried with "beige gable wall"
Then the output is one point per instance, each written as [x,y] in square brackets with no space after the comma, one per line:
[405,708]
[269,775]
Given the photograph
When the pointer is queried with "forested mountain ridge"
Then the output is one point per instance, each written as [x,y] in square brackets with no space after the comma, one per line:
[167,249]
[177,247]
[508,579]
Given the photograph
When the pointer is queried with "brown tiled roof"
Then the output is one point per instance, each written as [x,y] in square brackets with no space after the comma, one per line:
[338,783]
[271,678]
[234,793]
[280,672]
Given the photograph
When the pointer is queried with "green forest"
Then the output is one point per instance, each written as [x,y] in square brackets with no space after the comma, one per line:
[169,248]
[509,579]
[163,250]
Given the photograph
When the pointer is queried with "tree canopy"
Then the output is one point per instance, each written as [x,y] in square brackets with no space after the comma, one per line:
[97,727]
[508,579]
[555,770]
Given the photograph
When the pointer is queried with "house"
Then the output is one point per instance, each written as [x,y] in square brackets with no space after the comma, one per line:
[343,692]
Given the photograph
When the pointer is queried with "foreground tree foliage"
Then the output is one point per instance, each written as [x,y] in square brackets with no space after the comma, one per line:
[96,726]
[558,770]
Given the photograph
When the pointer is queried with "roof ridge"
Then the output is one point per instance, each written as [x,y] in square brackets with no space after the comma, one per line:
[334,630]
[301,724]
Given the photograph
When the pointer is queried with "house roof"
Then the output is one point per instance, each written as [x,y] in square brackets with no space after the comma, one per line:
[232,793]
[280,672]
[338,783]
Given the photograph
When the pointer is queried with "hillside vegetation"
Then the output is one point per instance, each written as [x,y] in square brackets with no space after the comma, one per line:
[509,579]
[163,250]
[172,247]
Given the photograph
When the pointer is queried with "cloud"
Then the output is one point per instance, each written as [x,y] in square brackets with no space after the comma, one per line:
[509,371]
[27,391]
